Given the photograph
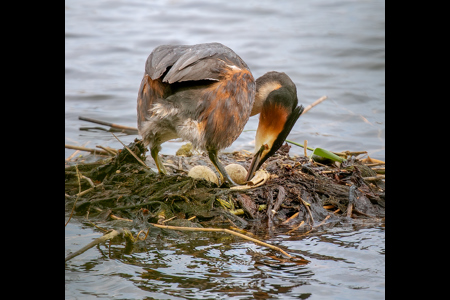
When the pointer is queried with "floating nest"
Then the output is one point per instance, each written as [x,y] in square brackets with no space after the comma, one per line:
[298,193]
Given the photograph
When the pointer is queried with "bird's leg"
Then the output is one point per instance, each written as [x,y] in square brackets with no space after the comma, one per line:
[154,152]
[219,167]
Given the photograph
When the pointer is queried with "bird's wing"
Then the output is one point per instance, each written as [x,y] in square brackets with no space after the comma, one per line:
[185,62]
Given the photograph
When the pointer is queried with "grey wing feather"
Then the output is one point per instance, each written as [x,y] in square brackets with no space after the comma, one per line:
[196,62]
[161,58]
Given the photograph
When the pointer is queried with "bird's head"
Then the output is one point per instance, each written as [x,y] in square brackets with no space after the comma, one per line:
[276,96]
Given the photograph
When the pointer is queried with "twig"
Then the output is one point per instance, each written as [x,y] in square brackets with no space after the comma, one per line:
[241,231]
[314,104]
[369,160]
[73,155]
[375,164]
[146,235]
[361,213]
[108,124]
[170,219]
[306,204]
[119,218]
[351,199]
[374,178]
[328,206]
[76,152]
[296,227]
[323,221]
[330,171]
[114,217]
[97,241]
[350,153]
[290,218]
[98,227]
[132,153]
[111,151]
[94,151]
[312,228]
[380,170]
[349,210]
[222,230]
[88,180]
[88,190]
[306,147]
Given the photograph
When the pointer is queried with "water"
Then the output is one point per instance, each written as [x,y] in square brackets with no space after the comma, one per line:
[346,261]
[332,48]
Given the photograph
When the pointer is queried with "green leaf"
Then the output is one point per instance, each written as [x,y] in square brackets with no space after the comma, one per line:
[327,154]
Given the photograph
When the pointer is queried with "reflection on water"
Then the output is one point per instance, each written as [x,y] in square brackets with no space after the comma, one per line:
[328,47]
[343,261]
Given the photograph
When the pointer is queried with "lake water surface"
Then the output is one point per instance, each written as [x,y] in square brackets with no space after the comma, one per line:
[333,48]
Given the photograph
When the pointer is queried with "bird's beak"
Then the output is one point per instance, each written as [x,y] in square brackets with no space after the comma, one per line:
[255,162]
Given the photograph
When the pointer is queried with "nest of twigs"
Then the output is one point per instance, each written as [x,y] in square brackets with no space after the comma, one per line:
[299,190]
[299,194]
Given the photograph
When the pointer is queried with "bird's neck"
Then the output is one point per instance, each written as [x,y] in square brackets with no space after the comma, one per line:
[271,123]
[262,91]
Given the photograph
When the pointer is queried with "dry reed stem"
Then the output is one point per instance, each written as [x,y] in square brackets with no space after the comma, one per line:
[312,228]
[296,227]
[370,160]
[98,227]
[119,218]
[88,180]
[374,178]
[132,153]
[349,210]
[108,124]
[350,153]
[290,218]
[243,231]
[76,152]
[146,235]
[305,144]
[168,219]
[88,190]
[110,151]
[73,155]
[114,217]
[375,164]
[97,241]
[306,204]
[94,151]
[314,104]
[323,221]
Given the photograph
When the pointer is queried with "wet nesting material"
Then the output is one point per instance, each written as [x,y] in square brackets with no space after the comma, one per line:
[298,191]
